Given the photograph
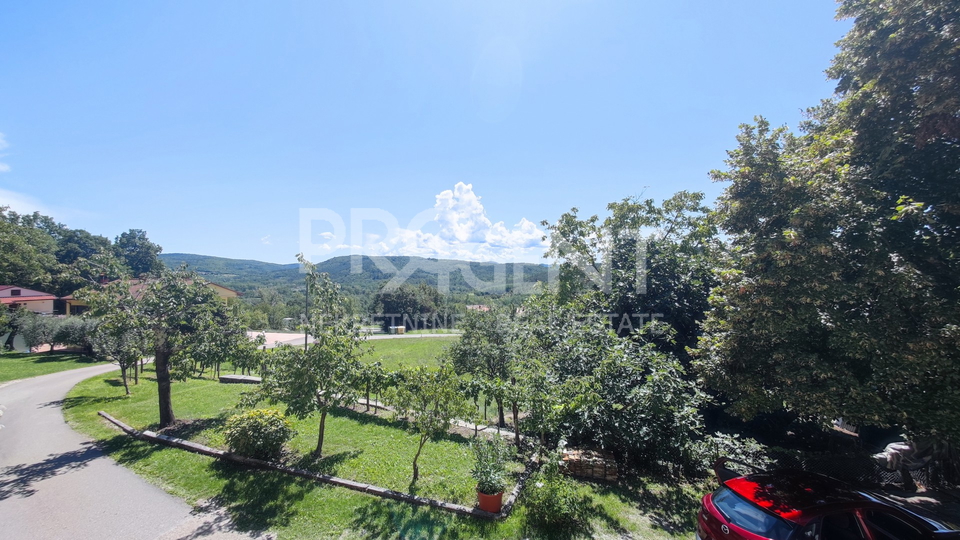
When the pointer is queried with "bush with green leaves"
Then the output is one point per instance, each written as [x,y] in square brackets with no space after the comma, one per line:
[490,465]
[37,330]
[552,500]
[258,433]
[76,332]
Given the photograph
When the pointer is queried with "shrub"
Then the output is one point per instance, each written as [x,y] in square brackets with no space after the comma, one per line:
[489,467]
[259,433]
[76,332]
[552,500]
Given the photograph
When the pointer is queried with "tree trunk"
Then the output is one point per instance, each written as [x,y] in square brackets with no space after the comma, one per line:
[161,362]
[368,399]
[123,375]
[516,425]
[416,468]
[8,344]
[136,373]
[501,419]
[323,421]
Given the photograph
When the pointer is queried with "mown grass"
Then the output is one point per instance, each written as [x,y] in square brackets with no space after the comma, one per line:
[393,353]
[357,446]
[15,366]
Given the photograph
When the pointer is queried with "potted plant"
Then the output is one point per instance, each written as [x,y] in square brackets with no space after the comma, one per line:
[490,472]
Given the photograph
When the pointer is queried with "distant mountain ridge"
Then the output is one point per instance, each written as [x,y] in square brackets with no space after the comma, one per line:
[246,275]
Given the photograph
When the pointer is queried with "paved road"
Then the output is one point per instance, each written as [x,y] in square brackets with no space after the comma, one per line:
[55,484]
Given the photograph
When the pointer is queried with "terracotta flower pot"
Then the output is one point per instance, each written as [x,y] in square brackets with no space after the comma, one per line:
[490,503]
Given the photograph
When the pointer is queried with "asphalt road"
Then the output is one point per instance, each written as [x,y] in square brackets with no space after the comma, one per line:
[54,483]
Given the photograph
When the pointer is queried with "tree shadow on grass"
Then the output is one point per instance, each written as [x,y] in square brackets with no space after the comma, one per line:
[327,464]
[259,500]
[19,480]
[668,506]
[80,401]
[47,357]
[190,428]
[389,519]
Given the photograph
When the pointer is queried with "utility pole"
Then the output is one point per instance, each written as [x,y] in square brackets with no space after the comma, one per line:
[306,316]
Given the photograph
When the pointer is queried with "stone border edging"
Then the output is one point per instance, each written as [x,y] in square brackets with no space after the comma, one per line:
[189,446]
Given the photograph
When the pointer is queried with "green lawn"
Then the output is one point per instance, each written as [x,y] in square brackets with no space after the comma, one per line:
[15,366]
[408,352]
[356,446]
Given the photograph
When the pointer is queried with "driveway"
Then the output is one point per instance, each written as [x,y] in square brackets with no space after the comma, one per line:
[54,483]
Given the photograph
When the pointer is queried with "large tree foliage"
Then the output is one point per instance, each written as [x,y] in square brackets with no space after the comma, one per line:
[842,298]
[320,377]
[138,253]
[642,263]
[412,306]
[29,253]
[898,73]
[586,384]
[40,253]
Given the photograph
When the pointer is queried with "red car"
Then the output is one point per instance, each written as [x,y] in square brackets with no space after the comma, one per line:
[797,505]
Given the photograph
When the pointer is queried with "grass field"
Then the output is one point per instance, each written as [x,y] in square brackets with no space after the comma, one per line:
[15,366]
[359,447]
[408,352]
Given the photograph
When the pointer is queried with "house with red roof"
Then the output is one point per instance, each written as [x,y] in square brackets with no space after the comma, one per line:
[13,297]
[76,307]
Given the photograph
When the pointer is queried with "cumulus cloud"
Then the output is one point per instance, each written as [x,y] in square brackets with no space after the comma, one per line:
[465,232]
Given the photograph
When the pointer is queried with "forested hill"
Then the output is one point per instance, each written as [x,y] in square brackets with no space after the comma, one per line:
[464,276]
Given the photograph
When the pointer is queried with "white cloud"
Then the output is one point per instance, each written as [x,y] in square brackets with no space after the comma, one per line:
[3,144]
[23,204]
[465,233]
[265,240]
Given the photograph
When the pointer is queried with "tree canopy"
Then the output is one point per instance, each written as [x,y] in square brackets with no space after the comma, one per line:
[842,296]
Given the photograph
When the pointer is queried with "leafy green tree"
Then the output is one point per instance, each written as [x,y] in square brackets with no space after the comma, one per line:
[29,258]
[896,78]
[410,306]
[842,295]
[815,313]
[37,329]
[76,332]
[584,383]
[642,263]
[179,314]
[323,376]
[370,379]
[486,349]
[429,399]
[138,253]
[120,336]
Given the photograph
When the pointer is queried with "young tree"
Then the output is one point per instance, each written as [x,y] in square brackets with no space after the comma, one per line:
[429,400]
[36,329]
[120,339]
[322,377]
[486,349]
[179,313]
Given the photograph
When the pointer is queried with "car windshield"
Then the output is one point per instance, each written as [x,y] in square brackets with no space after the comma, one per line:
[746,515]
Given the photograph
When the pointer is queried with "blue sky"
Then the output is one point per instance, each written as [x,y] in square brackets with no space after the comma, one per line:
[212,124]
